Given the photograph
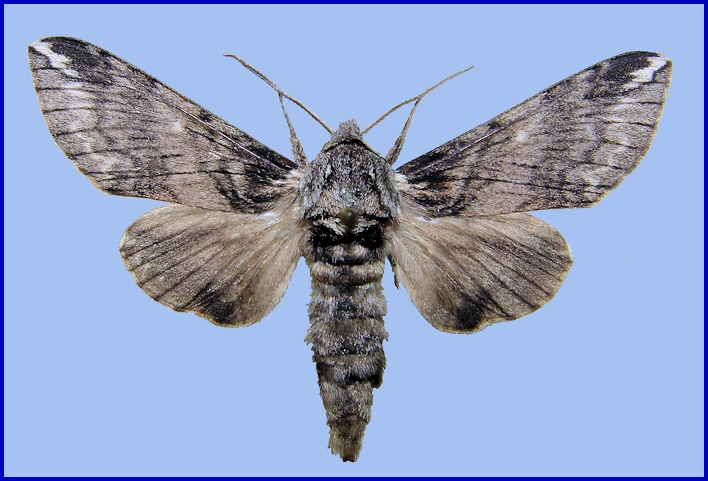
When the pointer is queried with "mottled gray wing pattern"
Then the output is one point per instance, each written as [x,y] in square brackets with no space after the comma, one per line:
[229,268]
[134,136]
[464,273]
[568,146]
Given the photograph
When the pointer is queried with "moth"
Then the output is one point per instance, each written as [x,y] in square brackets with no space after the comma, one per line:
[453,223]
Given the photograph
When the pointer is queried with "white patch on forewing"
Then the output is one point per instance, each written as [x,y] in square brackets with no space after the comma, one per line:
[177,126]
[521,135]
[77,87]
[56,60]
[646,74]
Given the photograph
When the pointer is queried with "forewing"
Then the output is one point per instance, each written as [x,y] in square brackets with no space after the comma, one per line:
[134,136]
[229,268]
[568,146]
[464,273]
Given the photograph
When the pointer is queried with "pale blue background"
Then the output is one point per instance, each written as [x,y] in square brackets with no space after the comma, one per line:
[607,379]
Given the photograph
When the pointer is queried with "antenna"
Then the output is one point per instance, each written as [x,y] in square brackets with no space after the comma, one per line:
[281,93]
[392,155]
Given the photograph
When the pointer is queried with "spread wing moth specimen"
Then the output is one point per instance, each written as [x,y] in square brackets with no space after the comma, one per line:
[453,223]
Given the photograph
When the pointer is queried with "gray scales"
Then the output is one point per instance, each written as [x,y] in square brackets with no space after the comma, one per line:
[452,223]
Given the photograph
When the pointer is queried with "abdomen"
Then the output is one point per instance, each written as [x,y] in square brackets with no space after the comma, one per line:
[346,332]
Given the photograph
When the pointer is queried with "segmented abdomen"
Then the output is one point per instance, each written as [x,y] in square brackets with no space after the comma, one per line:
[346,332]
